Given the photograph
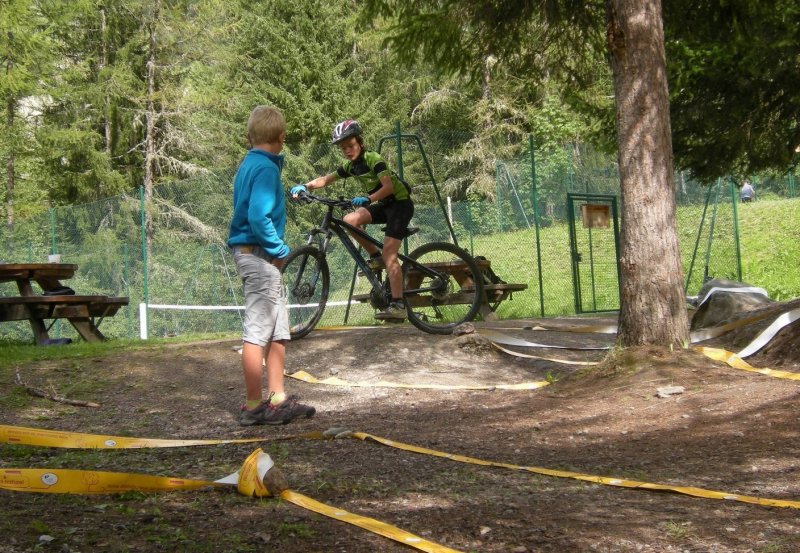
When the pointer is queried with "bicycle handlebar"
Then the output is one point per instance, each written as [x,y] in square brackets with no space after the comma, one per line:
[308,198]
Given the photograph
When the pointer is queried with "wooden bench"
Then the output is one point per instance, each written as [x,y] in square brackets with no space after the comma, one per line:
[494,293]
[80,311]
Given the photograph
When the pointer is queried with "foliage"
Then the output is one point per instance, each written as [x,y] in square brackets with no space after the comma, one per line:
[77,84]
[214,61]
[24,54]
[507,85]
[735,97]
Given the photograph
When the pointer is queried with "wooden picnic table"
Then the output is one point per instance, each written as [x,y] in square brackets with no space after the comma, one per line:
[84,313]
[47,275]
[494,293]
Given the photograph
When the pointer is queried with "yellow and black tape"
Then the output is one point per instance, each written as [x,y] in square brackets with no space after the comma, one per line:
[77,440]
[249,481]
[342,433]
[371,524]
[733,360]
[606,480]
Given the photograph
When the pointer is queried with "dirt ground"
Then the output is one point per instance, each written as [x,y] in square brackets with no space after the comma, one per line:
[730,430]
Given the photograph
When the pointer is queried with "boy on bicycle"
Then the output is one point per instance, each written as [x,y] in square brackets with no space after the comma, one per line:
[386,200]
[256,239]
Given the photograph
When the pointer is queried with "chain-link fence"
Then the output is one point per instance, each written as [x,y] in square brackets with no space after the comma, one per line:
[168,250]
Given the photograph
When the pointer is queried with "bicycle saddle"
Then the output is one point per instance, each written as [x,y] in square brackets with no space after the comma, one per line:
[410,231]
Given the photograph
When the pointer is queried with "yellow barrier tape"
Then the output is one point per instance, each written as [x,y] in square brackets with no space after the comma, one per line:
[56,438]
[249,481]
[609,481]
[90,481]
[253,470]
[334,381]
[376,526]
[738,363]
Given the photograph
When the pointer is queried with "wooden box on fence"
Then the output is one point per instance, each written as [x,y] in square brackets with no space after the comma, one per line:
[595,215]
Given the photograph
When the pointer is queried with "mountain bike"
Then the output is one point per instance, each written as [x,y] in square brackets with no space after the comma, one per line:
[442,284]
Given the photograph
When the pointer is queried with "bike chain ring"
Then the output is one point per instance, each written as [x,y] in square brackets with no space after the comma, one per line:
[378,299]
[442,288]
[303,293]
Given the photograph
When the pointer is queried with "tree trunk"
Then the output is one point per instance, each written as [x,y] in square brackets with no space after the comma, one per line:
[486,78]
[10,171]
[653,306]
[150,119]
[102,65]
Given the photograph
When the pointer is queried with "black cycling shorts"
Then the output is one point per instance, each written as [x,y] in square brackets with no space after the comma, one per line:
[396,214]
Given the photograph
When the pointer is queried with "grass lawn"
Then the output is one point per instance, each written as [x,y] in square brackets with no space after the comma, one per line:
[769,233]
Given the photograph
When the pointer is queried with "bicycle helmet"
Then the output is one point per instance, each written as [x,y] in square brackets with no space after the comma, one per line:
[345,129]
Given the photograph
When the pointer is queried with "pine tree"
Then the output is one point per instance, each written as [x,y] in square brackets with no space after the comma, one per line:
[24,54]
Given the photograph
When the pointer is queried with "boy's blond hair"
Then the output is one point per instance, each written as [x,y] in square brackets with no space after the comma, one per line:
[265,125]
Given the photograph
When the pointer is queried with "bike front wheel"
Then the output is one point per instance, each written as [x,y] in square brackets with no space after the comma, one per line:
[307,280]
[438,302]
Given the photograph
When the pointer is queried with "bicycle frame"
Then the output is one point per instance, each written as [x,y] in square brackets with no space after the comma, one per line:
[335,226]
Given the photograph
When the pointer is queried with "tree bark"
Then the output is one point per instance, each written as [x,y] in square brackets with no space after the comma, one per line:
[150,119]
[486,77]
[102,65]
[10,170]
[651,274]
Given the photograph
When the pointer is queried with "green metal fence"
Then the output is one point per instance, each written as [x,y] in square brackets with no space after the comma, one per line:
[169,249]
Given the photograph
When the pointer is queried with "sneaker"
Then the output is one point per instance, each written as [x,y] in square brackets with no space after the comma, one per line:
[282,413]
[395,312]
[376,263]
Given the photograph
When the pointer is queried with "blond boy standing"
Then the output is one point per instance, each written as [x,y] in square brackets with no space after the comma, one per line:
[256,238]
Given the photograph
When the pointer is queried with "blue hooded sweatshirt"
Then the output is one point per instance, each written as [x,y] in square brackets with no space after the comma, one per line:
[259,204]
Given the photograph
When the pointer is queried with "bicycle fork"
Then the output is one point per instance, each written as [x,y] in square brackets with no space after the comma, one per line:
[311,285]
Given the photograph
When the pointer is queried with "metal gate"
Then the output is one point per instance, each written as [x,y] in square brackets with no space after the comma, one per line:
[594,250]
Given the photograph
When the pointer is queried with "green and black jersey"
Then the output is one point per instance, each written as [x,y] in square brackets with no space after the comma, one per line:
[367,170]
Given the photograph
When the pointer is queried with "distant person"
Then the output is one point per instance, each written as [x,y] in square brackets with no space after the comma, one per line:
[747,193]
[386,200]
[256,239]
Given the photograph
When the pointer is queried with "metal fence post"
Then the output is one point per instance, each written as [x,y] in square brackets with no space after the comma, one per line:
[734,201]
[146,293]
[400,173]
[499,196]
[697,241]
[469,228]
[535,201]
[710,241]
[399,140]
[53,230]
[126,272]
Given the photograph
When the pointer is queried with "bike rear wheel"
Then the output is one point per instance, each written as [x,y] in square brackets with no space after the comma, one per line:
[307,279]
[441,303]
